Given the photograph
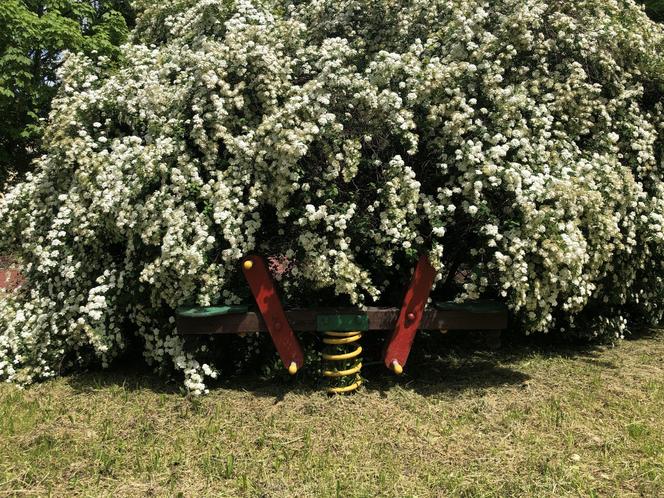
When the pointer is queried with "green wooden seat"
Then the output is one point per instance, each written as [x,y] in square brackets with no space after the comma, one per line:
[207,311]
[342,322]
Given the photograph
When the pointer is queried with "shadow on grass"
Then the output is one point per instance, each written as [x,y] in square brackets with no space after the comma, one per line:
[124,375]
[438,364]
[427,378]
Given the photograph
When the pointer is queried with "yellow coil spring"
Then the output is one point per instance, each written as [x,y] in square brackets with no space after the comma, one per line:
[347,362]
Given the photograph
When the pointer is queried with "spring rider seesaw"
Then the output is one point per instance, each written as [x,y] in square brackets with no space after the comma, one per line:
[342,328]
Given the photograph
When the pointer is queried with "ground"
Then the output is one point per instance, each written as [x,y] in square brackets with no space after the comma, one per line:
[522,421]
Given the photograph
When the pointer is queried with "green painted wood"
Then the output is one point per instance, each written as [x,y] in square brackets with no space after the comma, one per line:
[205,311]
[342,322]
[479,306]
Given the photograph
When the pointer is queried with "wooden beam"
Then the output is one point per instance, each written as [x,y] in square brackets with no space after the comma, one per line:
[304,320]
[272,312]
[398,347]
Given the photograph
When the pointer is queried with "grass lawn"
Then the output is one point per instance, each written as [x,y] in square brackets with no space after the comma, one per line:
[523,421]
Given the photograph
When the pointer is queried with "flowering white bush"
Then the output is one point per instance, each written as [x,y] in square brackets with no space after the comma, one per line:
[518,142]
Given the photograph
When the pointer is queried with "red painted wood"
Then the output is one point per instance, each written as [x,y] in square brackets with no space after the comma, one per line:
[410,316]
[261,285]
[10,279]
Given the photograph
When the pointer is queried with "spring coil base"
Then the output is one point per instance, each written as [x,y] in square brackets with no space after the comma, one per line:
[344,361]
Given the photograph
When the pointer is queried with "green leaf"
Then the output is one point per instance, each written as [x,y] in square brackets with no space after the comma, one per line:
[33,37]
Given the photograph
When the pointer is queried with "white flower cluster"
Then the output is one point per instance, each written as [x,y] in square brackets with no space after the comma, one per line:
[520,141]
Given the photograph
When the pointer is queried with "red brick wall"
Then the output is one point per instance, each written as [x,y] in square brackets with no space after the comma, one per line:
[10,278]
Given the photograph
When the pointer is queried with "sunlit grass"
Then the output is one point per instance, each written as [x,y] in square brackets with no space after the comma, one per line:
[528,422]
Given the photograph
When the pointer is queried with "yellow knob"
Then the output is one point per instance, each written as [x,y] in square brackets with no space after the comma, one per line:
[398,369]
[292,369]
[248,264]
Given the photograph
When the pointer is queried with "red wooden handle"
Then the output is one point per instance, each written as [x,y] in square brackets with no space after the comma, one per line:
[261,285]
[412,310]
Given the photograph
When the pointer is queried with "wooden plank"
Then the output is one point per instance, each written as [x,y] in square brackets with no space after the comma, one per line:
[412,311]
[304,320]
[274,319]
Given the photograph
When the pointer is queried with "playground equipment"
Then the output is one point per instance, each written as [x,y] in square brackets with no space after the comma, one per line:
[342,328]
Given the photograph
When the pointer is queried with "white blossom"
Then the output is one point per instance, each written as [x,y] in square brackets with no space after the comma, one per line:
[519,141]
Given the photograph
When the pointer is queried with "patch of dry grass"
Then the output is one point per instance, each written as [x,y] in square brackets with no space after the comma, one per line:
[528,422]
